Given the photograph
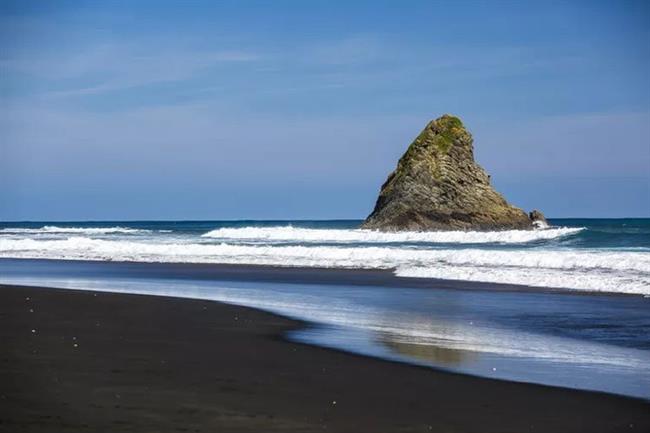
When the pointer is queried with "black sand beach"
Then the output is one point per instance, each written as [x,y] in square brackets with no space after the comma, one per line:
[86,361]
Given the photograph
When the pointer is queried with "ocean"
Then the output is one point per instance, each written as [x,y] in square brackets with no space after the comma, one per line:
[451,300]
[609,255]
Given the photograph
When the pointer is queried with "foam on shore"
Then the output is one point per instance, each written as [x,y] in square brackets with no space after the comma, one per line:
[598,270]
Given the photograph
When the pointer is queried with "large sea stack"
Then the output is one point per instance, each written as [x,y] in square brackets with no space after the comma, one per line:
[437,185]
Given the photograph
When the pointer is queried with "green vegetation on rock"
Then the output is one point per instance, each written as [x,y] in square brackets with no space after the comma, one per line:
[450,127]
[440,133]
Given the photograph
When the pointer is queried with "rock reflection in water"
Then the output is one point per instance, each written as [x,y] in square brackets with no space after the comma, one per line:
[430,354]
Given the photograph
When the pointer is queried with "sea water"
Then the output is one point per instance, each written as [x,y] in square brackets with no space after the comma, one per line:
[577,254]
[573,337]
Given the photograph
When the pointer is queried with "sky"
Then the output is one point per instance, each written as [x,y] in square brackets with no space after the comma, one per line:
[299,110]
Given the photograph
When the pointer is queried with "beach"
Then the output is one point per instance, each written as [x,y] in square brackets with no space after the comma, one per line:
[322,326]
[92,361]
[573,339]
[325,217]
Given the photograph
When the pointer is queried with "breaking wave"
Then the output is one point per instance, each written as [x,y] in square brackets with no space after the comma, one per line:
[72,230]
[296,234]
[594,280]
[599,270]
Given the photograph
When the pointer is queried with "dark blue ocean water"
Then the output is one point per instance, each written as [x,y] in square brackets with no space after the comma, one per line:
[580,254]
[599,232]
[604,225]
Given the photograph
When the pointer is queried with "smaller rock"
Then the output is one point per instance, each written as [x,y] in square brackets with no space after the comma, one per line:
[538,219]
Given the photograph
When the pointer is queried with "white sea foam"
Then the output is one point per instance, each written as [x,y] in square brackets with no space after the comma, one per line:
[540,224]
[612,271]
[598,281]
[297,234]
[349,256]
[71,230]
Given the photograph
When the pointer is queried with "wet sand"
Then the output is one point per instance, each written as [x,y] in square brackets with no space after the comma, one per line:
[262,273]
[89,361]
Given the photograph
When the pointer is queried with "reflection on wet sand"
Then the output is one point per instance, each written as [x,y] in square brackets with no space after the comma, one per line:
[433,354]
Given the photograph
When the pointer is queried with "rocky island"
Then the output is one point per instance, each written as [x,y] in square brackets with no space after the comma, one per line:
[437,185]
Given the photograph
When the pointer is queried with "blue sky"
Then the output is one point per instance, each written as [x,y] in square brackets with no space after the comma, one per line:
[224,110]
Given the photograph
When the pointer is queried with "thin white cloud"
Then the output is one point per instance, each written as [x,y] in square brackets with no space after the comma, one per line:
[109,67]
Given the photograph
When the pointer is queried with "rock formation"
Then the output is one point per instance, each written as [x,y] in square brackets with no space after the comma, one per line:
[437,185]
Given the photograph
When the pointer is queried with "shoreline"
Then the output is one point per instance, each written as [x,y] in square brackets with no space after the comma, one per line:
[306,275]
[263,379]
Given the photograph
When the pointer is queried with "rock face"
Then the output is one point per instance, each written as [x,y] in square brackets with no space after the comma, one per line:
[438,186]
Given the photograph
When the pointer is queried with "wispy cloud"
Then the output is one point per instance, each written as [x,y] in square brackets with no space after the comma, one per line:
[109,67]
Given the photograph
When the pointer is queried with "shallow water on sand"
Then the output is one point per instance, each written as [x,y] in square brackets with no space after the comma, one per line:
[584,341]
